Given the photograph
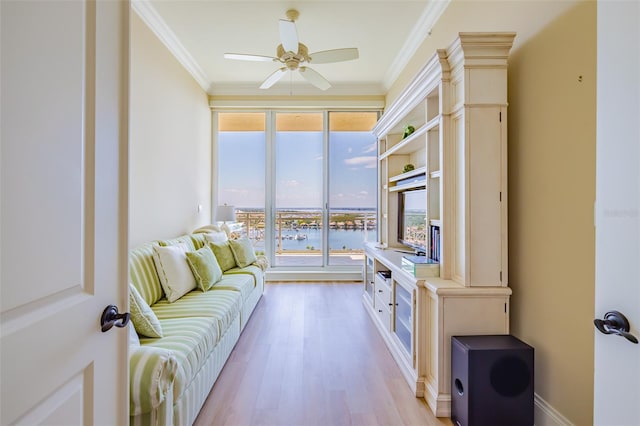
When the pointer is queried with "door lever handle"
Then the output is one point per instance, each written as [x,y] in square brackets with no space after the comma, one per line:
[111,317]
[615,323]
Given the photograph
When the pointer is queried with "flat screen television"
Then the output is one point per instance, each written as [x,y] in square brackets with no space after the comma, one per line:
[412,220]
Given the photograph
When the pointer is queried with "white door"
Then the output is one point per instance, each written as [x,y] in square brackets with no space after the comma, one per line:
[617,361]
[63,216]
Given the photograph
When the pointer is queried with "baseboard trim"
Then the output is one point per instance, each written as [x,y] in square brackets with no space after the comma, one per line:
[440,403]
[545,415]
[275,275]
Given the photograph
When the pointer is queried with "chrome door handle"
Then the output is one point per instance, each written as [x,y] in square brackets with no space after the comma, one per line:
[615,323]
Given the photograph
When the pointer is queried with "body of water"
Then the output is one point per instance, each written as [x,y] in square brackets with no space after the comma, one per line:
[301,238]
[308,239]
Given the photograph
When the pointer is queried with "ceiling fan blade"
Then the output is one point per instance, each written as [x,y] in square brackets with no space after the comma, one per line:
[334,55]
[273,78]
[245,57]
[314,78]
[288,35]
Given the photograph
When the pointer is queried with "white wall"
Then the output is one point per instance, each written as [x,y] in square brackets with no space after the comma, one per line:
[170,144]
[551,160]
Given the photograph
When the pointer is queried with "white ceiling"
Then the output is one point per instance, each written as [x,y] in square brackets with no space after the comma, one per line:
[199,32]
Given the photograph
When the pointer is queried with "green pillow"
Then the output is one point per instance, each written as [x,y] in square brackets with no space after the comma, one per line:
[224,255]
[205,267]
[243,252]
[143,318]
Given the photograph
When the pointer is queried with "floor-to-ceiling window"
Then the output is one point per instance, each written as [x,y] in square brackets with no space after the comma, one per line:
[304,183]
[352,185]
[241,169]
[299,189]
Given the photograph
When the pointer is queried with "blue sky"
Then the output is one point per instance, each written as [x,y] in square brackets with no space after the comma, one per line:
[298,169]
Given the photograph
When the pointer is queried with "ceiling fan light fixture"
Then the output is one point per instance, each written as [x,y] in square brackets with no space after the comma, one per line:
[291,53]
[293,60]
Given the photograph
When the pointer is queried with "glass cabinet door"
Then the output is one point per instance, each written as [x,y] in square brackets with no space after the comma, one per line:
[369,279]
[403,321]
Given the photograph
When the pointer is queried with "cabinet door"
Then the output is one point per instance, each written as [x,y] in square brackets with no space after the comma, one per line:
[403,325]
[368,278]
[464,316]
[486,226]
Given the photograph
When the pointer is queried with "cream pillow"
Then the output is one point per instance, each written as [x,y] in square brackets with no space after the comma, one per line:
[173,270]
[216,237]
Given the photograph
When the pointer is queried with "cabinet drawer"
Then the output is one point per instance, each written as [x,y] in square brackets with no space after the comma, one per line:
[382,311]
[383,290]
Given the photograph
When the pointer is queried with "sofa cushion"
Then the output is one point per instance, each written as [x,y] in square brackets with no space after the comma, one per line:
[198,240]
[205,267]
[143,318]
[190,340]
[134,339]
[175,275]
[224,255]
[243,252]
[183,239]
[216,237]
[239,282]
[252,270]
[143,275]
[152,371]
[222,305]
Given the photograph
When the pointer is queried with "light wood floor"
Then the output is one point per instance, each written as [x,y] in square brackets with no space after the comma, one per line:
[310,355]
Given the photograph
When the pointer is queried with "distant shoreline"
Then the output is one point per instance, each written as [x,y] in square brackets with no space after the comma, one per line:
[301,228]
[309,218]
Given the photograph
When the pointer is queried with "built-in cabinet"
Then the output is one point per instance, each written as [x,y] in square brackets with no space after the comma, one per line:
[450,124]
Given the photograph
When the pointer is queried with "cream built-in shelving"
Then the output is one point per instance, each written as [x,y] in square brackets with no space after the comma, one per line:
[457,104]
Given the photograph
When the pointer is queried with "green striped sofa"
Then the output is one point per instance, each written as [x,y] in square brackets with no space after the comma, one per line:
[171,376]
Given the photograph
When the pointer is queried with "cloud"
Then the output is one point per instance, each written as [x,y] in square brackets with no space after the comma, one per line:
[371,148]
[368,161]
[363,193]
[350,150]
[291,183]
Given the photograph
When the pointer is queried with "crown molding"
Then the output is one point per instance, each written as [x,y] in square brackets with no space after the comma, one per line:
[297,102]
[420,31]
[154,21]
[297,89]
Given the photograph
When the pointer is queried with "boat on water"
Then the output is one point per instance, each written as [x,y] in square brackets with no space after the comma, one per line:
[297,236]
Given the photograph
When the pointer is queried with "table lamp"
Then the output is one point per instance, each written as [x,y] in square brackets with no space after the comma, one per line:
[226,214]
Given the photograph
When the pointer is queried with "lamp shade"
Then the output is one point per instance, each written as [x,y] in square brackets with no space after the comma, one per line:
[226,213]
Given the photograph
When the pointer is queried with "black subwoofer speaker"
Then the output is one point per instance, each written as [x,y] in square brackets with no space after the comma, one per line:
[491,381]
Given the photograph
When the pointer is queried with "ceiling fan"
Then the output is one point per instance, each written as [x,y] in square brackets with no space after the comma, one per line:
[293,54]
